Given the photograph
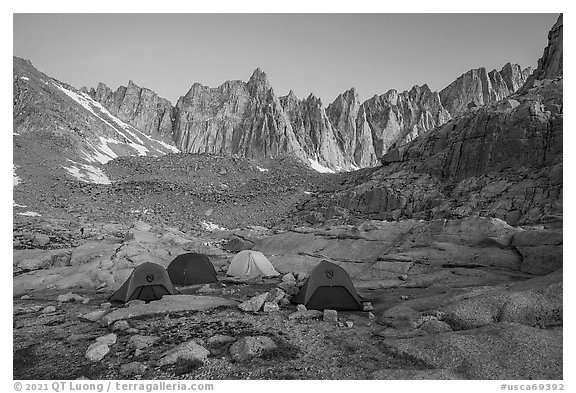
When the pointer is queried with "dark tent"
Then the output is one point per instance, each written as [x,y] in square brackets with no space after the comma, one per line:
[329,287]
[147,282]
[191,268]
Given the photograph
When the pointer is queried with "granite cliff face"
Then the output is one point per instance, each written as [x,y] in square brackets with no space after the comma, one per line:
[501,160]
[479,87]
[314,131]
[248,119]
[397,118]
[550,64]
[137,106]
[235,118]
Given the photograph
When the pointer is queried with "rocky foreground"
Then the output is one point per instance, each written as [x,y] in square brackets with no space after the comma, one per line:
[450,299]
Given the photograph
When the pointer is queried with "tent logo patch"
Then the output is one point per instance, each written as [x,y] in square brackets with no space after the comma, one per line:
[149,277]
[329,274]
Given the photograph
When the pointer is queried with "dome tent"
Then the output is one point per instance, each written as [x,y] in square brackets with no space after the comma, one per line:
[251,264]
[328,287]
[148,281]
[191,268]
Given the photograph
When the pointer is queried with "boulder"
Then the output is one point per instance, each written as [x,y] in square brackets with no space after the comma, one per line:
[496,351]
[120,325]
[140,342]
[189,350]
[142,226]
[220,339]
[95,316]
[69,297]
[400,317]
[306,314]
[249,347]
[108,339]
[40,240]
[271,307]
[435,326]
[254,304]
[289,287]
[275,295]
[132,369]
[48,310]
[330,316]
[167,305]
[289,277]
[97,351]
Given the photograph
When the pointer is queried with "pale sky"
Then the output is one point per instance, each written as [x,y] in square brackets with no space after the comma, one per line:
[324,54]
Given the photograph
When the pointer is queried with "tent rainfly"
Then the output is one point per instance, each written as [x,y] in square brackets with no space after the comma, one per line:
[191,268]
[148,281]
[328,287]
[251,264]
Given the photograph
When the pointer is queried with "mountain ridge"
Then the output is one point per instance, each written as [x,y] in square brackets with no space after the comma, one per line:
[346,134]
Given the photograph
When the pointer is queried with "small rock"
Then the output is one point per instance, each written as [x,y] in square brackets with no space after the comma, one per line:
[371,315]
[254,304]
[40,240]
[187,351]
[25,297]
[120,325]
[249,347]
[275,295]
[86,300]
[271,307]
[108,339]
[301,307]
[95,316]
[132,369]
[106,305]
[142,226]
[27,310]
[403,277]
[206,289]
[435,326]
[70,297]
[132,331]
[367,306]
[283,302]
[308,314]
[289,277]
[340,324]
[220,339]
[302,276]
[404,297]
[138,352]
[330,316]
[289,287]
[141,342]
[48,310]
[349,324]
[97,351]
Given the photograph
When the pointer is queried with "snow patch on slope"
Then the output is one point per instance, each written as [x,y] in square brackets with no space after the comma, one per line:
[15,178]
[128,134]
[210,226]
[87,173]
[30,214]
[318,167]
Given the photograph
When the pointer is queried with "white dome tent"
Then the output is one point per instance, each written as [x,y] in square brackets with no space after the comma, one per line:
[251,264]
